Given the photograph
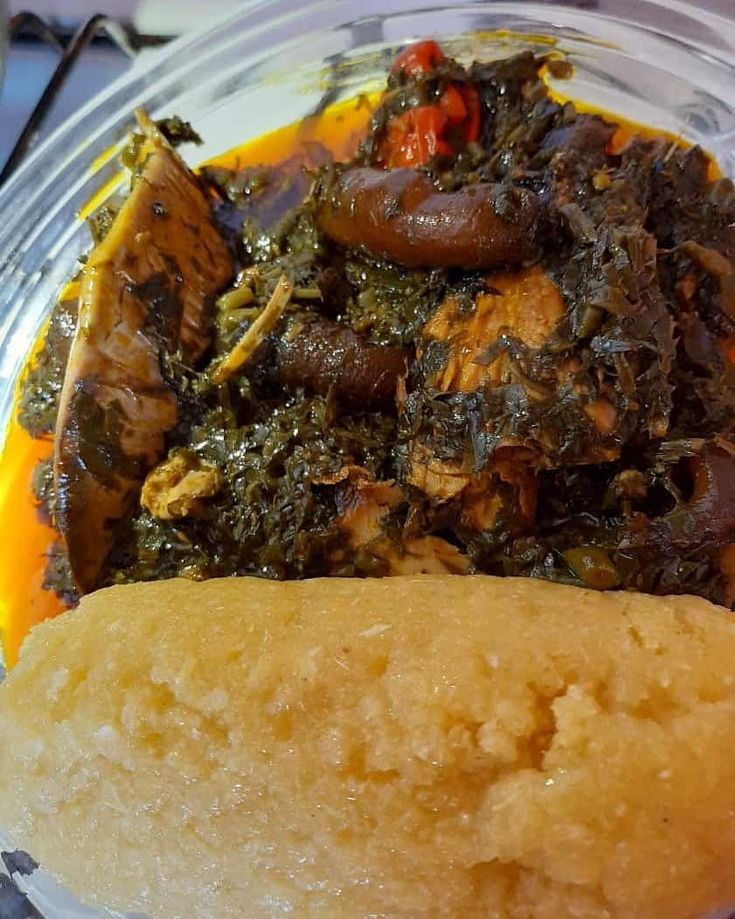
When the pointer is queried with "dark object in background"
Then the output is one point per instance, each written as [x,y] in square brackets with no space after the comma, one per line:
[13,903]
[69,46]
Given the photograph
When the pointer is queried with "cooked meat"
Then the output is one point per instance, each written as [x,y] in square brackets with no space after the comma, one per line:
[145,294]
[401,216]
[177,486]
[365,508]
[524,307]
[327,357]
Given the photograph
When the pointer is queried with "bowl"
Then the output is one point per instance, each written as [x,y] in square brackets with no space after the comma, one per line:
[666,63]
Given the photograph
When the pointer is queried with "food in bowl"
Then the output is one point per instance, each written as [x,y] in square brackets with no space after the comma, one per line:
[497,339]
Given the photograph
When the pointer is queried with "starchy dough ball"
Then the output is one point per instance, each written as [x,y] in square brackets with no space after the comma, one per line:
[411,747]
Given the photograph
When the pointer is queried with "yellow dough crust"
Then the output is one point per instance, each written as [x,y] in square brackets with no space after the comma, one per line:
[408,747]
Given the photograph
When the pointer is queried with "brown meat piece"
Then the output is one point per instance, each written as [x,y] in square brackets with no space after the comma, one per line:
[146,290]
[324,356]
[399,215]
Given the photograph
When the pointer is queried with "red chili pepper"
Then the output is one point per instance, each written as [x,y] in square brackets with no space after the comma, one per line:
[415,137]
[419,58]
[452,104]
[391,152]
[429,123]
[471,100]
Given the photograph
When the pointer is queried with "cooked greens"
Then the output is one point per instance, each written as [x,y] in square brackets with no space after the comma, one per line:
[508,346]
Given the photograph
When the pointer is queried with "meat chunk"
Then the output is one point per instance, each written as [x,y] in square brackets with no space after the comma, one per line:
[502,372]
[399,215]
[523,305]
[178,486]
[365,506]
[323,356]
[146,292]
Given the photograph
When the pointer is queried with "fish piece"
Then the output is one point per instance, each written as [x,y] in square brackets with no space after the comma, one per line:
[503,498]
[365,507]
[146,291]
[422,555]
[179,485]
[499,373]
[526,305]
[440,479]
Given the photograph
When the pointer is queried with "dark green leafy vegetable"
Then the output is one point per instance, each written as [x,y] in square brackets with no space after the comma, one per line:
[39,401]
[275,515]
[176,131]
[599,452]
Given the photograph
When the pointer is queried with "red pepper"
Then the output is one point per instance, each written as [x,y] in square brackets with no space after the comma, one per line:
[419,134]
[472,103]
[452,104]
[415,137]
[429,124]
[462,104]
[419,58]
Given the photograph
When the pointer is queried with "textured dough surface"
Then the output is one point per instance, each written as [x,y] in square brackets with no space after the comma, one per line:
[412,747]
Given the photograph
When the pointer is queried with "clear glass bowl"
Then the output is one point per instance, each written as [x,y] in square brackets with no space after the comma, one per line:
[667,63]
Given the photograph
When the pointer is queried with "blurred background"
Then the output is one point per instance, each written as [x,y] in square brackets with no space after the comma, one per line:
[46,49]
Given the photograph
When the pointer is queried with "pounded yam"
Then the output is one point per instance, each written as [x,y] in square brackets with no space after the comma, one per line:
[412,747]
